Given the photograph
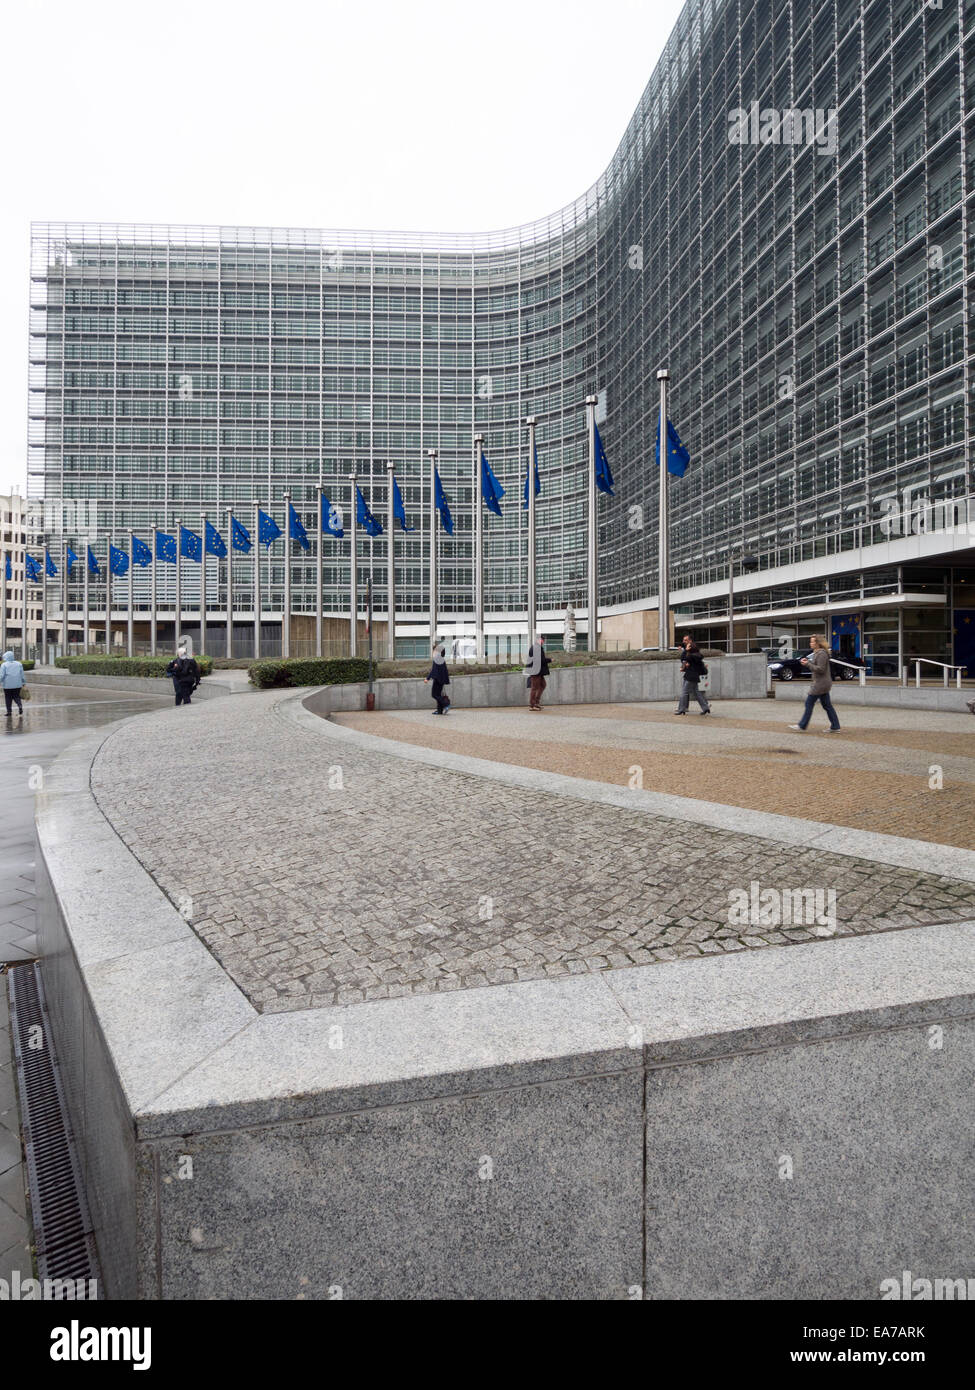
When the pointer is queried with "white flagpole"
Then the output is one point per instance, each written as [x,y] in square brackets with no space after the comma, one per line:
[64,596]
[319,561]
[152,599]
[532,596]
[478,504]
[86,622]
[353,570]
[230,581]
[391,558]
[663,533]
[108,598]
[432,456]
[203,583]
[593,533]
[4,557]
[130,630]
[44,606]
[286,615]
[257,581]
[179,583]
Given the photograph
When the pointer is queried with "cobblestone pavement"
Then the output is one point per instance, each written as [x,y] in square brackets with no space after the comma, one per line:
[321,873]
[879,774]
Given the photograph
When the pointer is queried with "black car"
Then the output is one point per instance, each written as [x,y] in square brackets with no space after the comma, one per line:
[789,668]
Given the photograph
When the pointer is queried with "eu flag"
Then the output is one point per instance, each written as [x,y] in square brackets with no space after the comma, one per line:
[141,553]
[677,456]
[240,537]
[364,516]
[214,541]
[440,502]
[399,511]
[7,569]
[118,561]
[190,544]
[604,478]
[92,562]
[165,547]
[32,569]
[268,529]
[491,489]
[331,518]
[72,557]
[49,564]
[296,530]
[538,486]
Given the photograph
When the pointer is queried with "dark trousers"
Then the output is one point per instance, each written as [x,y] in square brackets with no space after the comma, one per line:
[442,699]
[10,696]
[183,693]
[827,705]
[538,685]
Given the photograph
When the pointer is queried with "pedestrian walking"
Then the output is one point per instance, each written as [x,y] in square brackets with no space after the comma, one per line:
[822,682]
[439,677]
[185,674]
[12,681]
[536,670]
[692,669]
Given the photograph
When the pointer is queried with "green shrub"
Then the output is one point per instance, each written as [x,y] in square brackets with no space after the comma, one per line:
[299,671]
[27,665]
[124,665]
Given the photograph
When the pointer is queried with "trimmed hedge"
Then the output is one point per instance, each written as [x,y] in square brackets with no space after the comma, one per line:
[124,665]
[27,665]
[296,671]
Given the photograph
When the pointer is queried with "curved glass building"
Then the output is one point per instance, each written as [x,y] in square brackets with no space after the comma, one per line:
[785,226]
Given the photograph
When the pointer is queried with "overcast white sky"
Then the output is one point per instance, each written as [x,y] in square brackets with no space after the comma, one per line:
[386,114]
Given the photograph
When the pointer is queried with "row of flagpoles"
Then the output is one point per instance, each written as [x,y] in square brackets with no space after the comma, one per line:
[196,546]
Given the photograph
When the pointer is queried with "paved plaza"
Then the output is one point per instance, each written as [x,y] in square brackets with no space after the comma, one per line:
[321,872]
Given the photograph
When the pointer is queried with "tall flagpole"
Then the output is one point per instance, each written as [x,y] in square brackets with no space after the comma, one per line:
[432,456]
[179,582]
[108,598]
[203,583]
[130,630]
[663,533]
[286,615]
[152,593]
[257,581]
[44,606]
[64,597]
[86,622]
[353,570]
[319,596]
[4,557]
[478,503]
[230,581]
[532,597]
[593,533]
[391,558]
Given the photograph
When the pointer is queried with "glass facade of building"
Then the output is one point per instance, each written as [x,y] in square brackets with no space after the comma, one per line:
[802,268]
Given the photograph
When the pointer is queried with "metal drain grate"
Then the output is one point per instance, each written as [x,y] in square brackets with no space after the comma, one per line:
[63,1238]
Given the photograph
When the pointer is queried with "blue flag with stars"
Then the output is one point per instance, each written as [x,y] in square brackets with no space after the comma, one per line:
[92,562]
[165,547]
[399,511]
[118,561]
[677,456]
[268,529]
[7,569]
[49,564]
[331,518]
[240,537]
[538,486]
[213,541]
[72,558]
[190,544]
[440,502]
[141,554]
[604,478]
[364,516]
[32,569]
[491,489]
[296,528]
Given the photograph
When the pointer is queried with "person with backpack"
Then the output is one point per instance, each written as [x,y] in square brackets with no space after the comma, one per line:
[12,682]
[692,669]
[185,674]
[439,677]
[536,670]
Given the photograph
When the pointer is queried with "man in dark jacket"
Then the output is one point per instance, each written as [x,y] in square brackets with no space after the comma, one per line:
[536,669]
[439,677]
[692,669]
[185,674]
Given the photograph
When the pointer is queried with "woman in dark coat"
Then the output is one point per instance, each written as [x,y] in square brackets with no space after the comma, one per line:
[439,677]
[185,674]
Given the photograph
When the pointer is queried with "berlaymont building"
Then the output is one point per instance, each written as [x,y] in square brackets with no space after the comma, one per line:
[786,227]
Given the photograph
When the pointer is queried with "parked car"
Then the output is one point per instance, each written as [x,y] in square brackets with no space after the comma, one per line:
[790,668]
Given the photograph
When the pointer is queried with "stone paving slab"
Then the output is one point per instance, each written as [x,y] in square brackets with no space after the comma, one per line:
[319,872]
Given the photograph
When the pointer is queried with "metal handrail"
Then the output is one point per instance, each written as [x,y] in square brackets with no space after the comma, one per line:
[927,660]
[852,665]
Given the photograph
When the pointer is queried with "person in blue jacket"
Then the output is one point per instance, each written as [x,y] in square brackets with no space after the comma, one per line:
[12,681]
[439,677]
